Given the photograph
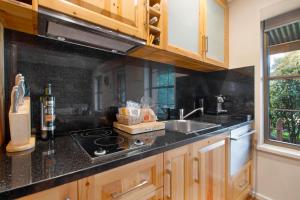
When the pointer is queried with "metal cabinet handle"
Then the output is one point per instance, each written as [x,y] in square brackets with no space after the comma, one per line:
[169,173]
[141,184]
[243,135]
[68,198]
[197,179]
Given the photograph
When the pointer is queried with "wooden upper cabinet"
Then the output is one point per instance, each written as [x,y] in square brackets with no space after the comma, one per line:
[182,27]
[215,32]
[140,180]
[210,169]
[19,16]
[126,16]
[64,192]
[197,29]
[177,173]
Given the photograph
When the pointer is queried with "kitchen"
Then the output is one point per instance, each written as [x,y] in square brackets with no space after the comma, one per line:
[138,107]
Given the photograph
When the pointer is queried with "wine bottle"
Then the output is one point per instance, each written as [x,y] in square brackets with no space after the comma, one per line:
[47,114]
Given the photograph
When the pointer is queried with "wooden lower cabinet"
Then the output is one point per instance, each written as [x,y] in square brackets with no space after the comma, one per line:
[177,174]
[210,168]
[240,185]
[197,171]
[141,180]
[154,195]
[64,192]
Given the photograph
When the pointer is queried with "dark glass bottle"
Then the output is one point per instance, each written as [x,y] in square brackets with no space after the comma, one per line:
[47,114]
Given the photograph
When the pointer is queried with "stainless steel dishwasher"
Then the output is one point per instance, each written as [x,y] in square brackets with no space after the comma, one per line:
[240,147]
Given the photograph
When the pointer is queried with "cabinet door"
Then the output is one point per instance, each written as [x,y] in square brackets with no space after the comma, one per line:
[127,16]
[18,16]
[240,183]
[138,180]
[183,27]
[210,165]
[177,174]
[64,192]
[216,32]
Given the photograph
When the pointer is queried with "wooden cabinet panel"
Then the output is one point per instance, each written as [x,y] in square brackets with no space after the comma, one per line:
[143,194]
[18,16]
[210,169]
[215,32]
[177,174]
[197,29]
[159,195]
[138,180]
[182,27]
[64,192]
[240,184]
[127,16]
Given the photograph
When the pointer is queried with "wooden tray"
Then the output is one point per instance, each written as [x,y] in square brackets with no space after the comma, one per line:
[140,128]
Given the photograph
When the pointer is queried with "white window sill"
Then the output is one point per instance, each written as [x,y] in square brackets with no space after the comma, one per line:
[281,151]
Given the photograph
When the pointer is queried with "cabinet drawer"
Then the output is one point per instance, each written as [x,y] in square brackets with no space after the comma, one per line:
[132,180]
[66,191]
[143,194]
[242,182]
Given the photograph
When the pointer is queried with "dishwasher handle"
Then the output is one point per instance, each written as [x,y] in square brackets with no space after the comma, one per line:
[242,135]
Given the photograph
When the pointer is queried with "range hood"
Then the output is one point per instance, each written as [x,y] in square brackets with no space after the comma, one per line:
[68,29]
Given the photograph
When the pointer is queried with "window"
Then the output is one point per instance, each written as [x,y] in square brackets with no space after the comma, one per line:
[282,82]
[163,90]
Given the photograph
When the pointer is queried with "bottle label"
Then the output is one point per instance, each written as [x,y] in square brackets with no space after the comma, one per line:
[49,116]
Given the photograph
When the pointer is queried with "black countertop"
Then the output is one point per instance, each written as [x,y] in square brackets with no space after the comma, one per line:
[34,171]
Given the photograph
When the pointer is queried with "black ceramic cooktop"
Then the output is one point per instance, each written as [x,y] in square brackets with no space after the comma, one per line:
[103,142]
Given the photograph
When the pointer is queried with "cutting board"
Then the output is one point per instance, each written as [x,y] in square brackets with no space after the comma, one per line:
[140,128]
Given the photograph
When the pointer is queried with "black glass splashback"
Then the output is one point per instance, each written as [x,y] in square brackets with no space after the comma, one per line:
[89,85]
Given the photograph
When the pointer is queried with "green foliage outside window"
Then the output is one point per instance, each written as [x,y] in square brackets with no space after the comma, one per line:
[284,98]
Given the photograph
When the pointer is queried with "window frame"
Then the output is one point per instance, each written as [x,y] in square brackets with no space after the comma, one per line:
[266,96]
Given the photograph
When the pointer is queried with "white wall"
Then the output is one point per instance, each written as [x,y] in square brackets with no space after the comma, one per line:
[277,177]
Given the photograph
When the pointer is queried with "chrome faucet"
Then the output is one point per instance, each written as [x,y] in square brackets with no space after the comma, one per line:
[181,111]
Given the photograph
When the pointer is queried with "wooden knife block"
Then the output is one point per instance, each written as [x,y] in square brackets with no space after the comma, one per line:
[20,128]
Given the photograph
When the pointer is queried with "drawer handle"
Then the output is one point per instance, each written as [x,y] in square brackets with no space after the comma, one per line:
[169,173]
[141,184]
[197,179]
[243,135]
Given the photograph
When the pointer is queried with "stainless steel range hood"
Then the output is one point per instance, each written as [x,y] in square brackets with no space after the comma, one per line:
[68,29]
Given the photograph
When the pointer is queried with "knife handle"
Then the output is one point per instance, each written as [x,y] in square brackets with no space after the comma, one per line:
[21,91]
[17,79]
[14,99]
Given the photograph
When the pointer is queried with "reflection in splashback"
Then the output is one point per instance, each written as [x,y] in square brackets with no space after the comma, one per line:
[89,85]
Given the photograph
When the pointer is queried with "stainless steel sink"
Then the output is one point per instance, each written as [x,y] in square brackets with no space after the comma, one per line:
[188,126]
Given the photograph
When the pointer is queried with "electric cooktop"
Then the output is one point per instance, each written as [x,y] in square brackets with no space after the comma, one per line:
[107,142]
